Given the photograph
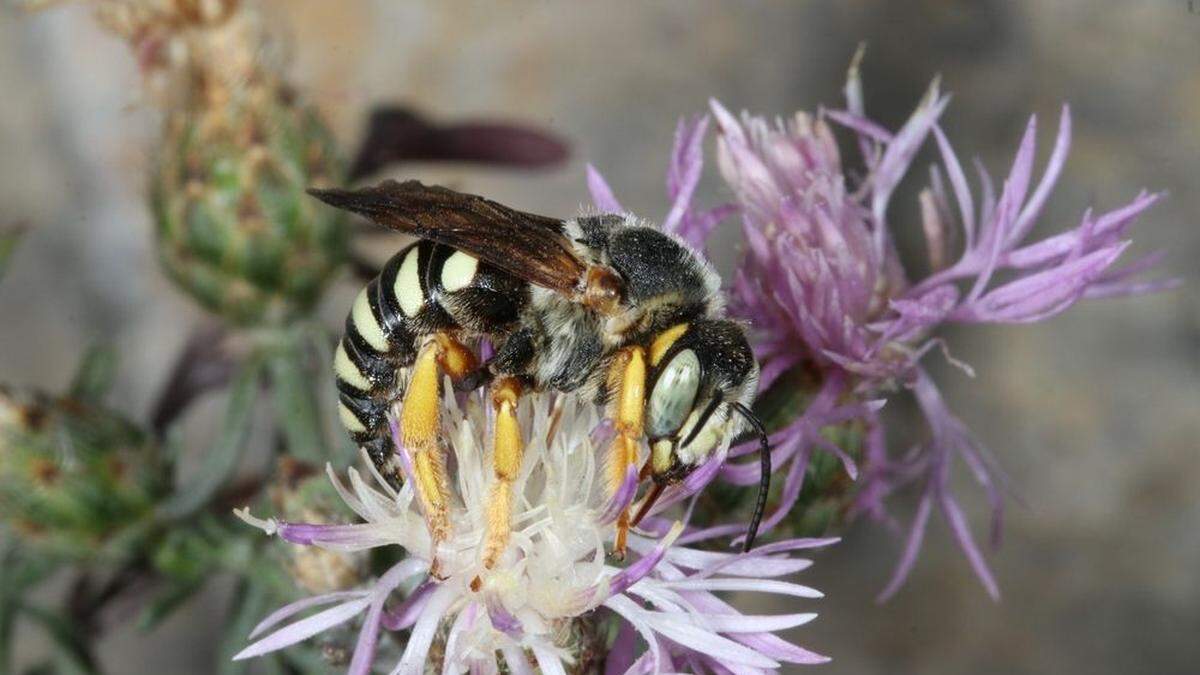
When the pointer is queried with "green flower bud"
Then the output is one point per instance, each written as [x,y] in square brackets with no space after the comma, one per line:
[236,230]
[74,477]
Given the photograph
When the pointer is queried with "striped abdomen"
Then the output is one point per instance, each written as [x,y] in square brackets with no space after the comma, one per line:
[423,289]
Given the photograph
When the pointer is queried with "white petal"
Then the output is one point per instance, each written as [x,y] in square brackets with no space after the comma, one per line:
[707,642]
[301,605]
[270,526]
[347,496]
[743,623]
[751,566]
[548,661]
[461,624]
[413,661]
[758,585]
[517,662]
[304,629]
[629,610]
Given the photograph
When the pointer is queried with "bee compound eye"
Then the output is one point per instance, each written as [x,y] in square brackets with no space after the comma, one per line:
[674,394]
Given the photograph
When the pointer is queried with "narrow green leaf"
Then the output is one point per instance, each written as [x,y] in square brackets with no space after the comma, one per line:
[71,663]
[343,451]
[10,236]
[166,602]
[171,448]
[20,570]
[96,372]
[73,655]
[222,460]
[248,608]
[8,611]
[293,393]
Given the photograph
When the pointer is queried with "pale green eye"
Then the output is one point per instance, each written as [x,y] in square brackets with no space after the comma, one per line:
[674,395]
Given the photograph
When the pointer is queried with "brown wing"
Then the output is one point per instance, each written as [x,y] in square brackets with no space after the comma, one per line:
[525,245]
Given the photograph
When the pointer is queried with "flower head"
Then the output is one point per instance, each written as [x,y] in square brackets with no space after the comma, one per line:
[547,598]
[823,287]
[824,291]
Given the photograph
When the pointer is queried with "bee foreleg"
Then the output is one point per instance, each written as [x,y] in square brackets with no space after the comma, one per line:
[508,450]
[627,381]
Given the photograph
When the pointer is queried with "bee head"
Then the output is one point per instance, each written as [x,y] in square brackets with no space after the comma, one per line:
[702,379]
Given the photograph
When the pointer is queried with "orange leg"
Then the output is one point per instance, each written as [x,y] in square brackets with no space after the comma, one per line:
[627,379]
[420,426]
[454,357]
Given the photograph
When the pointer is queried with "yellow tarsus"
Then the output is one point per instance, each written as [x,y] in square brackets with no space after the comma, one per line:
[508,450]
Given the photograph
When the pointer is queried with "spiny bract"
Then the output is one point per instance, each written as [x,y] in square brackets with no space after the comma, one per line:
[235,228]
[74,477]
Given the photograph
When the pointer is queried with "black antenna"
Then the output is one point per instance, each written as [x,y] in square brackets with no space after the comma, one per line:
[764,483]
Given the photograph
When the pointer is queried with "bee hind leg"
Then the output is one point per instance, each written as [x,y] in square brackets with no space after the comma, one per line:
[420,427]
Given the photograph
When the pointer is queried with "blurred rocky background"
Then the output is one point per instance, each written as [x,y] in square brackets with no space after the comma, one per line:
[1096,415]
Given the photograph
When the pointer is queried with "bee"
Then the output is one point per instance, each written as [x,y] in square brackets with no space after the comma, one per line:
[604,306]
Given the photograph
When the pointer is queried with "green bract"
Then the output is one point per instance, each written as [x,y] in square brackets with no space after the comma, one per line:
[235,228]
[75,478]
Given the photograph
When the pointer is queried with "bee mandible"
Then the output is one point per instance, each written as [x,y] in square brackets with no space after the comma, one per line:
[604,306]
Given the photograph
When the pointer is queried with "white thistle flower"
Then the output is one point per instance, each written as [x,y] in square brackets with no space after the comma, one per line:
[552,582]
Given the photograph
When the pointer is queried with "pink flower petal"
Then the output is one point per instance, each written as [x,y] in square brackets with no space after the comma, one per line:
[602,194]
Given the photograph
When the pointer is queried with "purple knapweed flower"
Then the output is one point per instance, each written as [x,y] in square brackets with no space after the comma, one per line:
[549,602]
[823,288]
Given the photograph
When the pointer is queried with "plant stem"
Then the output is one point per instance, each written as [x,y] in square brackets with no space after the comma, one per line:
[203,364]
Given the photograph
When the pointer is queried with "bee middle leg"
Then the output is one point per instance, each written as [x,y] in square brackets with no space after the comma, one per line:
[627,379]
[511,356]
[420,426]
[508,449]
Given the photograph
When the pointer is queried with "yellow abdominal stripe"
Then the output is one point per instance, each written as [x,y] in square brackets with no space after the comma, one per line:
[458,271]
[366,323]
[408,284]
[348,371]
[349,419]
